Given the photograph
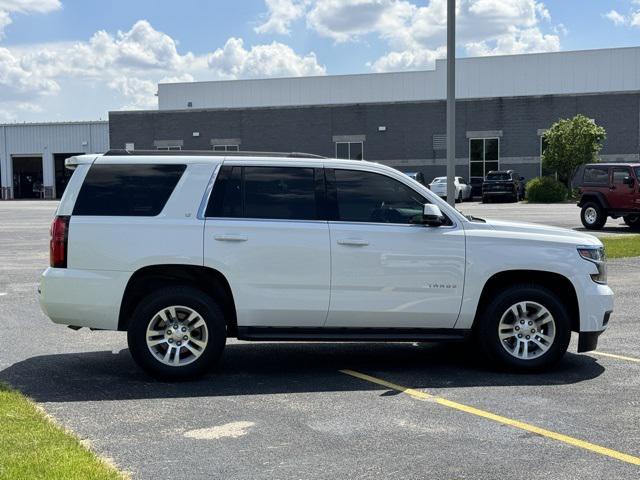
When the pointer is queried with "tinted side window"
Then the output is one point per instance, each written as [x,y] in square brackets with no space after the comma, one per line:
[127,190]
[371,197]
[280,193]
[596,175]
[619,174]
[226,197]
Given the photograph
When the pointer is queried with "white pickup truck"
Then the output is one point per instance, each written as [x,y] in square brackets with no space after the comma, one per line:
[184,250]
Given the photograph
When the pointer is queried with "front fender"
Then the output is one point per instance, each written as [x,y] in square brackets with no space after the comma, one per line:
[490,252]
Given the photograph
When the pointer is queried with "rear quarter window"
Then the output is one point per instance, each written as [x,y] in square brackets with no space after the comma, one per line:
[127,190]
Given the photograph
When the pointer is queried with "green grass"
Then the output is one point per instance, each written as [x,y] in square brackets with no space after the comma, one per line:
[33,447]
[619,247]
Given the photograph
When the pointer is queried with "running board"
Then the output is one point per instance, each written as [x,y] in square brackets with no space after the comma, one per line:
[336,334]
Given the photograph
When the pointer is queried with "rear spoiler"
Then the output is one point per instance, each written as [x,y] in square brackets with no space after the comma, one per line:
[72,162]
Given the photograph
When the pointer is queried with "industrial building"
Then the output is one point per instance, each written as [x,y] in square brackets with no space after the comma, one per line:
[32,155]
[505,104]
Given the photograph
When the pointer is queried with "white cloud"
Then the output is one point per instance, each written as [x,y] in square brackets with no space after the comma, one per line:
[131,63]
[416,35]
[517,41]
[18,82]
[8,7]
[272,60]
[616,17]
[281,13]
[408,60]
[631,19]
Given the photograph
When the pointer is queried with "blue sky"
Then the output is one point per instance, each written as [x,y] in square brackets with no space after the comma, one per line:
[74,60]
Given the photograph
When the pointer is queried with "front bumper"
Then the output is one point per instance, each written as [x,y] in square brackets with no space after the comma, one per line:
[596,307]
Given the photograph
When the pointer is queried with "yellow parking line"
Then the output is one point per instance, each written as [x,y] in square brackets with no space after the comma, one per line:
[623,457]
[619,357]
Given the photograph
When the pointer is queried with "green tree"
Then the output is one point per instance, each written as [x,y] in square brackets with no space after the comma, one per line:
[571,143]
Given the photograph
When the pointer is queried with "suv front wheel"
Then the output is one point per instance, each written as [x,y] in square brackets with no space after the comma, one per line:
[177,333]
[593,216]
[524,328]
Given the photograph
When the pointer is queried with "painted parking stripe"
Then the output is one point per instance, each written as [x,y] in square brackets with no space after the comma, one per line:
[623,457]
[618,357]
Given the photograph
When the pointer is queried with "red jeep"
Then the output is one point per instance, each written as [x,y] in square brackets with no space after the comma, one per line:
[609,190]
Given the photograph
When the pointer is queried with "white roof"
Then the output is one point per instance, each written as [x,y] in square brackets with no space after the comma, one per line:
[557,73]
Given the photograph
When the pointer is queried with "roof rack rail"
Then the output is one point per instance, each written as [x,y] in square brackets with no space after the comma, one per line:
[209,153]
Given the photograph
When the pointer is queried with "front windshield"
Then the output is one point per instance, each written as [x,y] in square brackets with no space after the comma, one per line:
[498,176]
[440,180]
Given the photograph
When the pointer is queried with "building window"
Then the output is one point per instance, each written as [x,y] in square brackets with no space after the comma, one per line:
[226,148]
[169,147]
[484,156]
[350,150]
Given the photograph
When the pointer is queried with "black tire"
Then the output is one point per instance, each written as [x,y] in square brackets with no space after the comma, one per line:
[593,223]
[487,328]
[485,199]
[188,297]
[633,221]
[459,200]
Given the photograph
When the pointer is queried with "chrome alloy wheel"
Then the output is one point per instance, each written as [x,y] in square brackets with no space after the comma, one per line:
[590,215]
[527,330]
[177,336]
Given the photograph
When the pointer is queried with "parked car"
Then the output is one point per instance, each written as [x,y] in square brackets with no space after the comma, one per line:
[609,190]
[463,190]
[183,251]
[417,176]
[507,184]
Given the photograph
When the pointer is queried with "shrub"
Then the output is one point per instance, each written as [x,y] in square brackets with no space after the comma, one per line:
[545,190]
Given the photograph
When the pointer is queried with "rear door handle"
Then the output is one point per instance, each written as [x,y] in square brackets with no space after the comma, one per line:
[230,238]
[354,242]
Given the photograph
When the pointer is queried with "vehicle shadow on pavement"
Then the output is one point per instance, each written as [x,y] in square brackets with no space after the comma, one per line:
[272,368]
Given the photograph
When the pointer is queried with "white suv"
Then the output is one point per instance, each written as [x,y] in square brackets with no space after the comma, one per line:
[184,251]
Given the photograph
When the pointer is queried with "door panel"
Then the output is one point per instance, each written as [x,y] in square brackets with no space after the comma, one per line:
[386,271]
[265,234]
[278,270]
[395,276]
[620,196]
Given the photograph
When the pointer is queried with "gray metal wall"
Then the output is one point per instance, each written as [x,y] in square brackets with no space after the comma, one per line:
[44,140]
[551,73]
[407,143]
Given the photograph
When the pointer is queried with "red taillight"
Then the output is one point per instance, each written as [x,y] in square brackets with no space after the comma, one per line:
[58,243]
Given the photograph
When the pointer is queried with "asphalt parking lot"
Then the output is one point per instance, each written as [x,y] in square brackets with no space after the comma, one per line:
[299,410]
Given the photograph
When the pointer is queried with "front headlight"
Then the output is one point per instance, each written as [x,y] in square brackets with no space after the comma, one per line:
[596,256]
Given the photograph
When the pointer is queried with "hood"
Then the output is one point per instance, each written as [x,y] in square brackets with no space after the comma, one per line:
[538,232]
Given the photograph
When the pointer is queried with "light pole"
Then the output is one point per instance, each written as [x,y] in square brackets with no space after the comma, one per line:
[451,101]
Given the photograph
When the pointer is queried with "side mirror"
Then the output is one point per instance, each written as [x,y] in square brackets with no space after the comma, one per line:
[432,215]
[628,181]
[522,179]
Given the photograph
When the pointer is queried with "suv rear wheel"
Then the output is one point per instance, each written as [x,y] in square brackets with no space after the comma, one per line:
[177,333]
[593,216]
[633,221]
[524,328]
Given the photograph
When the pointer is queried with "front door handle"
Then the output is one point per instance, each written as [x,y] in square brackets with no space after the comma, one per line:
[354,242]
[230,238]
